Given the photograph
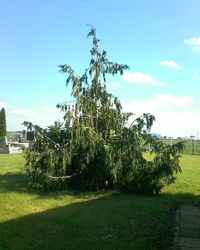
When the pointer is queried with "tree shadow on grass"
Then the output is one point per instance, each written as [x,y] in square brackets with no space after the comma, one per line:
[117,221]
[18,183]
[13,182]
[105,223]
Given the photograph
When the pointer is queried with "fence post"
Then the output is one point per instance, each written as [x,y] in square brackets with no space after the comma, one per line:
[192,138]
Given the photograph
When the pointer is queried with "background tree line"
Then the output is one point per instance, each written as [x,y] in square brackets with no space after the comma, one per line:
[3,131]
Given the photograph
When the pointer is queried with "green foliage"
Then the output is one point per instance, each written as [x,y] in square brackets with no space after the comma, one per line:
[3,131]
[95,148]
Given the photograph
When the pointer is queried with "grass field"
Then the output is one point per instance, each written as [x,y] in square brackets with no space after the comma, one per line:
[36,220]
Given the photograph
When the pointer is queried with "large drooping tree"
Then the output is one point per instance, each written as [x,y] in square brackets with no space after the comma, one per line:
[3,131]
[94,147]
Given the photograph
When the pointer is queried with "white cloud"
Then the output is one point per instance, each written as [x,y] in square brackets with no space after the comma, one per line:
[196,75]
[179,101]
[182,123]
[142,79]
[175,115]
[159,103]
[194,42]
[46,116]
[25,112]
[171,64]
[43,117]
[3,105]
[114,85]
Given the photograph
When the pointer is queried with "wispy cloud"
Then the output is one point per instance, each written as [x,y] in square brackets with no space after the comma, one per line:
[195,75]
[16,99]
[140,78]
[3,104]
[25,112]
[170,64]
[49,109]
[194,42]
[114,85]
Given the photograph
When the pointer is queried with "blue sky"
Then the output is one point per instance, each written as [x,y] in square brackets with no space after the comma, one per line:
[159,40]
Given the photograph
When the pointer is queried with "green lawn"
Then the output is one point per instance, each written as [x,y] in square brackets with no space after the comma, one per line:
[35,220]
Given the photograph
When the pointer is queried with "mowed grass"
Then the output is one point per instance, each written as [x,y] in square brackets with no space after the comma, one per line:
[64,220]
